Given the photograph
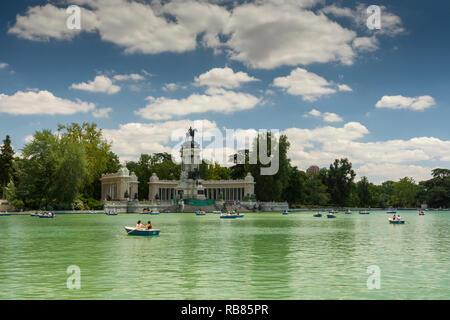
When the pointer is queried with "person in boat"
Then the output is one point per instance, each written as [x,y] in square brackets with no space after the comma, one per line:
[398,217]
[139,225]
[394,217]
[149,225]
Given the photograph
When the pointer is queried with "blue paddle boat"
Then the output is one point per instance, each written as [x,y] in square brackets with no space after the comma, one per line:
[396,221]
[156,212]
[46,217]
[348,212]
[133,232]
[331,216]
[5,214]
[200,213]
[391,211]
[285,213]
[92,212]
[111,213]
[364,212]
[317,215]
[231,216]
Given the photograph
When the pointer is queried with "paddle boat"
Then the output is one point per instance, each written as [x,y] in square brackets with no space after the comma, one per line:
[331,215]
[392,211]
[200,213]
[364,212]
[47,215]
[5,214]
[285,213]
[145,211]
[154,212]
[317,215]
[348,212]
[231,216]
[396,221]
[134,232]
[421,213]
[92,212]
[333,211]
[34,214]
[111,213]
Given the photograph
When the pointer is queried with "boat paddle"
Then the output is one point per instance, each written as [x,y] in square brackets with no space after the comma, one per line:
[130,231]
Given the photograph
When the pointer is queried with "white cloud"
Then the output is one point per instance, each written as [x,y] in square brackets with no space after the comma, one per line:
[296,34]
[391,24]
[215,100]
[382,172]
[308,85]
[126,77]
[380,160]
[344,87]
[41,102]
[224,78]
[400,102]
[3,65]
[101,113]
[172,87]
[42,23]
[99,84]
[132,139]
[268,35]
[331,117]
[326,116]
[366,44]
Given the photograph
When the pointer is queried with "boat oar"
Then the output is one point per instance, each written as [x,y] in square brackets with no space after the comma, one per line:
[130,231]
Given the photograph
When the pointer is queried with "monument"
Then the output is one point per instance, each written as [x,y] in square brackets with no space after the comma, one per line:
[119,190]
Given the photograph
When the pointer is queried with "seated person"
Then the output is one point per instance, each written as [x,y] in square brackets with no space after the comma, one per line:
[149,226]
[139,225]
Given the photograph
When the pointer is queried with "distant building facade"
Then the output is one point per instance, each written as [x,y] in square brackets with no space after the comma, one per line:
[312,170]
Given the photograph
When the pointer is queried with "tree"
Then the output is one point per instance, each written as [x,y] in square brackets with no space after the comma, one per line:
[70,172]
[363,192]
[405,193]
[316,192]
[340,179]
[295,189]
[6,163]
[436,191]
[99,157]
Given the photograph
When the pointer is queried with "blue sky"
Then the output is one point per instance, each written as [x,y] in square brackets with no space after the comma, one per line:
[143,69]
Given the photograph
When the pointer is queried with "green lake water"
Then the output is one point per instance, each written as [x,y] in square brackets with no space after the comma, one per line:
[262,256]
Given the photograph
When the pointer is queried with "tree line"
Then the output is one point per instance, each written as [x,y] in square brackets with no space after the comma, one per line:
[62,170]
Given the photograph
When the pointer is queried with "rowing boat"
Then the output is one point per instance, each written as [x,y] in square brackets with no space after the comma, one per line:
[317,215]
[331,216]
[133,232]
[231,216]
[46,217]
[396,221]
